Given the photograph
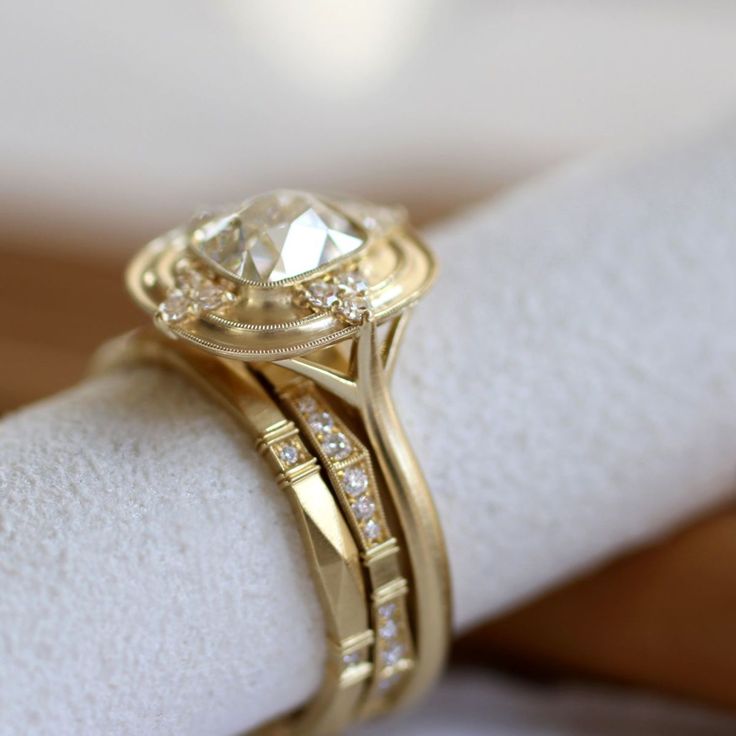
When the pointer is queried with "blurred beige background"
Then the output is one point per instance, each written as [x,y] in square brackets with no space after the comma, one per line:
[118,119]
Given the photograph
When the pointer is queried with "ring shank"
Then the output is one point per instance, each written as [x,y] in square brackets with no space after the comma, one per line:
[333,556]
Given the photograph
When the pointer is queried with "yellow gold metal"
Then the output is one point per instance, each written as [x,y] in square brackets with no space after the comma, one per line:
[333,555]
[264,323]
[363,383]
[382,563]
[322,324]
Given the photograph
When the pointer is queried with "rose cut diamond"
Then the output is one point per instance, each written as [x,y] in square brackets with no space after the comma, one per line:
[277,236]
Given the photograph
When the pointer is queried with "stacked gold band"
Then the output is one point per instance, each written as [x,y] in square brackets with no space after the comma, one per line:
[311,295]
[333,555]
[350,470]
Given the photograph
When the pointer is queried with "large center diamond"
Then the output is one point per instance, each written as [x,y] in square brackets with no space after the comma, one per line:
[277,236]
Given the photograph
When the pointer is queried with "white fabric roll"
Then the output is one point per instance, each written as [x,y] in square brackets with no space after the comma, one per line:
[570,387]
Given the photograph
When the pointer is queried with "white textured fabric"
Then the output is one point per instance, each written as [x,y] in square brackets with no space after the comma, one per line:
[570,388]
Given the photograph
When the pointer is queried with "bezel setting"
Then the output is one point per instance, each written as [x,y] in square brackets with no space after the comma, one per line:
[278,238]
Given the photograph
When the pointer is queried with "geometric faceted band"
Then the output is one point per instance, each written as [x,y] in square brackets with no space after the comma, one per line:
[314,292]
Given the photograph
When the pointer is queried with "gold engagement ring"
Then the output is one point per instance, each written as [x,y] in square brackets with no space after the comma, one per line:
[290,309]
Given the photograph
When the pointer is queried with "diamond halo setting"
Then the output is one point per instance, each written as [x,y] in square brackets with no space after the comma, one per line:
[194,293]
[300,271]
[344,294]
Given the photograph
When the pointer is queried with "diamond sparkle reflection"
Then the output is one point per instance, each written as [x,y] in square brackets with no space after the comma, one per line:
[175,307]
[337,446]
[278,236]
[355,480]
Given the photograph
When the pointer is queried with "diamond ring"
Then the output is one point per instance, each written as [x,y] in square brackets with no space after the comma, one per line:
[313,293]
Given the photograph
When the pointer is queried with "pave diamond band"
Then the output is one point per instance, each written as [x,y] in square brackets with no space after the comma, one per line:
[354,482]
[313,293]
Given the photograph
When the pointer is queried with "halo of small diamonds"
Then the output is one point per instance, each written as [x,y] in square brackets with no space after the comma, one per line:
[300,272]
[194,293]
[344,294]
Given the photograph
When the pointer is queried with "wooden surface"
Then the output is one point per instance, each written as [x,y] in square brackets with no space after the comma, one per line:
[660,618]
[57,310]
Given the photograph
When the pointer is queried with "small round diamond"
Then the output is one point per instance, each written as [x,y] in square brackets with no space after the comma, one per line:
[355,481]
[388,681]
[321,294]
[352,658]
[175,307]
[337,446]
[372,529]
[288,455]
[321,421]
[306,404]
[392,655]
[353,309]
[388,630]
[185,271]
[351,283]
[208,296]
[364,508]
[387,610]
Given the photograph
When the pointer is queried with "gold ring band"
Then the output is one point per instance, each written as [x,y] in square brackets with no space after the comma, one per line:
[333,555]
[349,467]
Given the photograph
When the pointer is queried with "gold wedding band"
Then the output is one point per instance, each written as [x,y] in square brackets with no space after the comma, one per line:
[305,299]
[332,553]
[349,468]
